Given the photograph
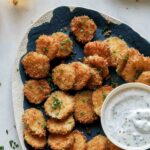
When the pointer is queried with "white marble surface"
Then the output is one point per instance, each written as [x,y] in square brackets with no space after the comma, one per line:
[15,20]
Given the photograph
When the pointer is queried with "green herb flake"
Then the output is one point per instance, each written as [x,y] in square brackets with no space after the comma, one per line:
[6,131]
[82,113]
[57,114]
[120,36]
[56,103]
[46,48]
[41,88]
[1,147]
[44,126]
[104,95]
[70,122]
[138,73]
[65,41]
[126,57]
[84,100]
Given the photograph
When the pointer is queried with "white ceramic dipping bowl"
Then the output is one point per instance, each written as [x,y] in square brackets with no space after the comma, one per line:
[104,111]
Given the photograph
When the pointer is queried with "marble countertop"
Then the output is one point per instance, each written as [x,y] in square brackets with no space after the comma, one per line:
[14,22]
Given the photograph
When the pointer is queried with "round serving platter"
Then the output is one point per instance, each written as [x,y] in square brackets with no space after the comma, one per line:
[59,20]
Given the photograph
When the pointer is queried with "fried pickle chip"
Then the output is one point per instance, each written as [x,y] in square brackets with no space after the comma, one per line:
[36,91]
[84,112]
[64,76]
[36,65]
[122,60]
[99,96]
[133,67]
[99,142]
[65,44]
[60,142]
[47,45]
[79,141]
[98,62]
[99,48]
[146,63]
[34,141]
[117,46]
[34,121]
[82,73]
[62,127]
[112,146]
[144,78]
[83,28]
[59,105]
[95,79]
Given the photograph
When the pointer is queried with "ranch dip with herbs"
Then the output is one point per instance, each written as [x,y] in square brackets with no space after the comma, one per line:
[127,117]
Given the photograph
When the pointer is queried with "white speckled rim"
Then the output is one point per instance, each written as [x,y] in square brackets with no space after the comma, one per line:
[17,85]
[108,100]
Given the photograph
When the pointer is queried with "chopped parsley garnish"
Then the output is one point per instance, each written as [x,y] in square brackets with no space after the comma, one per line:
[6,131]
[13,144]
[138,72]
[104,95]
[44,126]
[65,41]
[41,88]
[120,36]
[56,103]
[126,57]
[1,147]
[46,49]
[82,113]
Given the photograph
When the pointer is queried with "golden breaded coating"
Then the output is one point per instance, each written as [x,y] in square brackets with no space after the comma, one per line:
[99,48]
[112,146]
[133,67]
[64,76]
[47,45]
[36,65]
[34,121]
[95,79]
[34,141]
[117,46]
[62,127]
[84,112]
[99,142]
[65,44]
[98,62]
[59,105]
[144,78]
[146,63]
[83,28]
[36,91]
[79,141]
[122,60]
[82,73]
[60,142]
[99,96]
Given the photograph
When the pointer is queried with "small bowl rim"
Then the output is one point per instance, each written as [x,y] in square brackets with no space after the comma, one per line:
[107,100]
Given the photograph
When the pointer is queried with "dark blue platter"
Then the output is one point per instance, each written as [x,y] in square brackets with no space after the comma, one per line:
[61,18]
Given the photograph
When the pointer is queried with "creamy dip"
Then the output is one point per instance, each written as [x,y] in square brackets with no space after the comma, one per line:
[127,117]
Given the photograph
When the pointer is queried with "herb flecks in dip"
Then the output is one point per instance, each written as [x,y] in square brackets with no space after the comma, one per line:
[127,117]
